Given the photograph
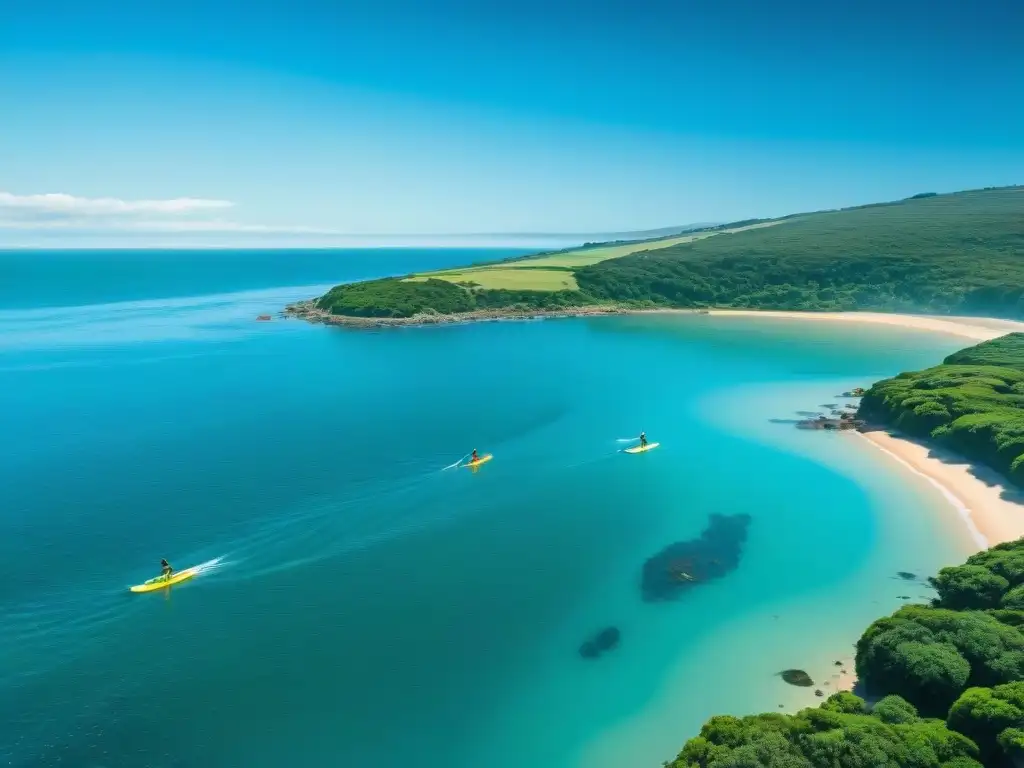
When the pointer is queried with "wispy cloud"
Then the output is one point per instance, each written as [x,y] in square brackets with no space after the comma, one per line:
[58,203]
[67,213]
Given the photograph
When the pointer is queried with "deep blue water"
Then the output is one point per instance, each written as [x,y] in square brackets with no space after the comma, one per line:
[364,606]
[72,278]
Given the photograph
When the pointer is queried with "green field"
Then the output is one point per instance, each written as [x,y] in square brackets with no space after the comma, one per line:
[505,277]
[581,257]
[554,272]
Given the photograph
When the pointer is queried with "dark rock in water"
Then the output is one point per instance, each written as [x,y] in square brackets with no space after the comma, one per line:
[837,663]
[907,575]
[797,677]
[687,564]
[809,414]
[903,597]
[603,641]
[829,405]
[819,692]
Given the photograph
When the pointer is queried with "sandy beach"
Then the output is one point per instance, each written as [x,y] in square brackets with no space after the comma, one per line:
[993,512]
[976,328]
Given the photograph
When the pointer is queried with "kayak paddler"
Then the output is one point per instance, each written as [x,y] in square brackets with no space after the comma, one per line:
[643,439]
[166,569]
[474,458]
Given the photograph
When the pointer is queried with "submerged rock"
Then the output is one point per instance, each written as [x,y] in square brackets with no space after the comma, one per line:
[907,575]
[603,641]
[797,677]
[687,564]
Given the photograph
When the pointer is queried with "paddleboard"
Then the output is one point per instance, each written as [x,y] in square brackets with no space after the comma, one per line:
[641,449]
[161,581]
[482,460]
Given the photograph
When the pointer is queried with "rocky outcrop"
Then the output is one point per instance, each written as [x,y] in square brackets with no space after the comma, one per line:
[605,640]
[685,565]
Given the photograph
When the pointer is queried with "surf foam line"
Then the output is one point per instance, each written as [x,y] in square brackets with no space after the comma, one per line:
[955,501]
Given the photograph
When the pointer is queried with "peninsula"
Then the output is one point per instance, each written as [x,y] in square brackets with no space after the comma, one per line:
[930,254]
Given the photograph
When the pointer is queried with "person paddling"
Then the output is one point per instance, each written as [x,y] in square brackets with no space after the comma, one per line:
[475,457]
[643,439]
[166,569]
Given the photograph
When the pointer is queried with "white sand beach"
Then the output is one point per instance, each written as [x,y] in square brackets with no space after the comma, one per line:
[976,328]
[993,511]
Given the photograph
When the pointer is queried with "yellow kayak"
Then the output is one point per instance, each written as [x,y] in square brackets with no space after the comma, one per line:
[482,460]
[642,448]
[160,582]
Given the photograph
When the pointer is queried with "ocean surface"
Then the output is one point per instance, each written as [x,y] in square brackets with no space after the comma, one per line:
[361,605]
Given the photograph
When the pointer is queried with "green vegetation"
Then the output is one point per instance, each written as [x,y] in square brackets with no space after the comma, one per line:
[939,254]
[955,253]
[397,298]
[510,278]
[841,733]
[973,404]
[582,257]
[959,660]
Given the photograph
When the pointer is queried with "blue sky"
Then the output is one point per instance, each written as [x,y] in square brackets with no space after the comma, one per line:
[311,121]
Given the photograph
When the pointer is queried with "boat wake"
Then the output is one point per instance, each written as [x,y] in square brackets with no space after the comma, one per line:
[209,566]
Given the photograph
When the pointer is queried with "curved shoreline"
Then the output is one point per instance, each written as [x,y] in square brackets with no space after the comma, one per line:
[991,510]
[977,328]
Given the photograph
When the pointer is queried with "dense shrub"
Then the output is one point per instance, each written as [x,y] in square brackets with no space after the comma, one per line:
[973,403]
[840,734]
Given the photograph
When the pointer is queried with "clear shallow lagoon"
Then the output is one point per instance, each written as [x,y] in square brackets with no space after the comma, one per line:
[366,607]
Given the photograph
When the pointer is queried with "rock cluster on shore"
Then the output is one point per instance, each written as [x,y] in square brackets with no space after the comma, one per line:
[307,310]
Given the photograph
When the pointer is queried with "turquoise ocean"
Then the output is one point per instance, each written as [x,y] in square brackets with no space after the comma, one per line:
[359,604]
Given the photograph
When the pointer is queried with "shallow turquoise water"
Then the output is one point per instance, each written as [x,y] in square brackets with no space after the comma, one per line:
[367,607]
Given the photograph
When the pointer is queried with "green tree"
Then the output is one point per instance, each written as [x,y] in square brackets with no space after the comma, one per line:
[982,714]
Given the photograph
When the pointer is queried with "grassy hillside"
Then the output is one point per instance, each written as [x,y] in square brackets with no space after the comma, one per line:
[941,254]
[973,403]
[958,253]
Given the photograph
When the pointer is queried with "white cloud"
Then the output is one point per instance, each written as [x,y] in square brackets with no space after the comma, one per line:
[62,213]
[168,227]
[58,203]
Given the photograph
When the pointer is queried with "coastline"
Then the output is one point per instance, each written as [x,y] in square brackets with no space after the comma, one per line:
[976,328]
[307,310]
[992,510]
